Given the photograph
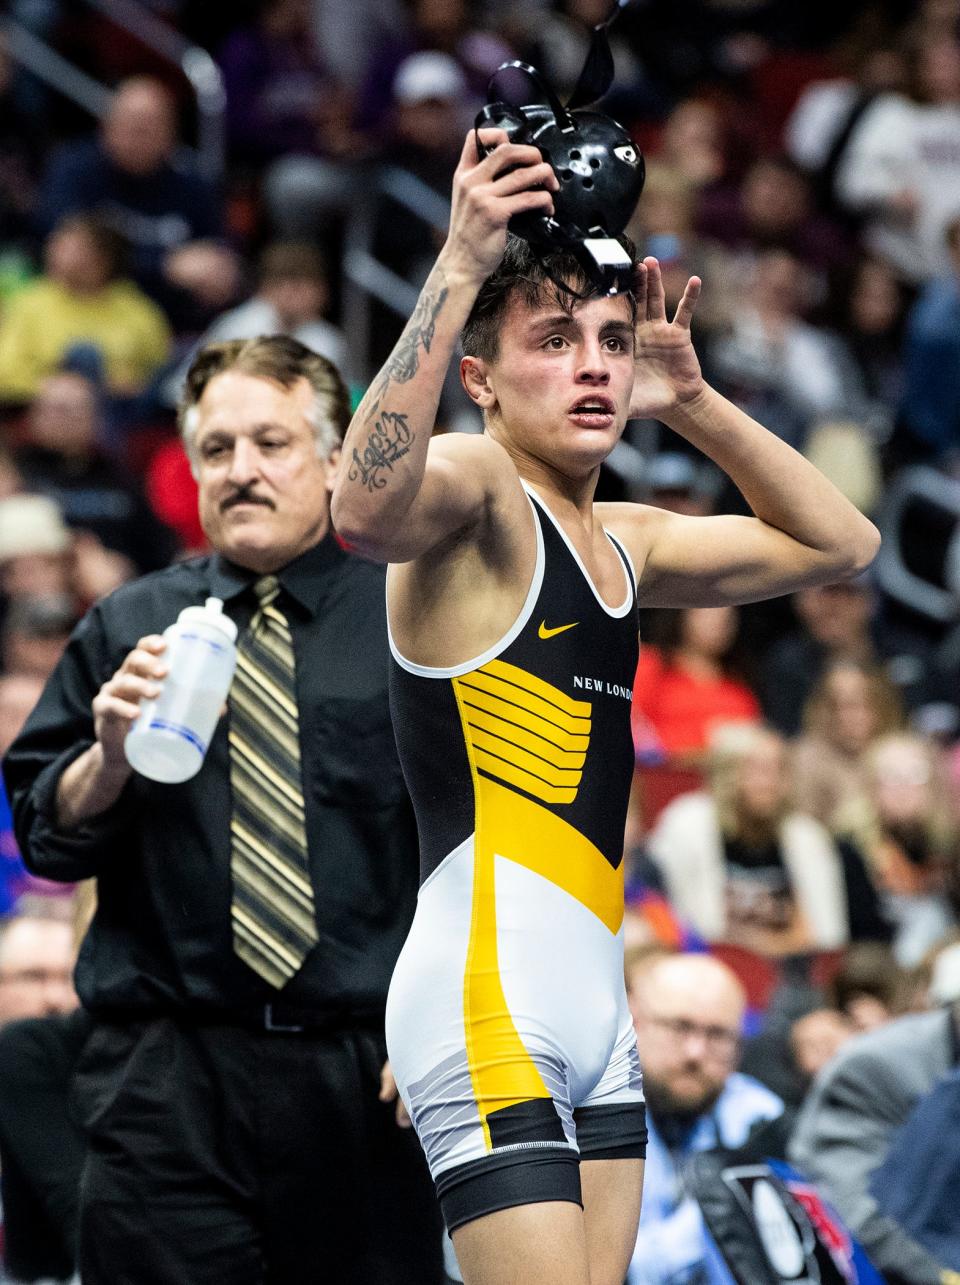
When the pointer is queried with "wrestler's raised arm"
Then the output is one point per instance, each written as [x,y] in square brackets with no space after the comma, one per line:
[398,494]
[803,530]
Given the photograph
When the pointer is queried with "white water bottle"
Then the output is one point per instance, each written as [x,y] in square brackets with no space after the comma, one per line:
[169,740]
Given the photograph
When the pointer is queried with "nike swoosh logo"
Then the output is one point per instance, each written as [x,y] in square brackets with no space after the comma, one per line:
[544,632]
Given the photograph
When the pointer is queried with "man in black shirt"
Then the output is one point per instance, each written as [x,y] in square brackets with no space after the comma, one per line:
[234,1122]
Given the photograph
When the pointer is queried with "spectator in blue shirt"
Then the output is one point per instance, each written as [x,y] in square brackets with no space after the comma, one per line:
[688,1010]
[931,404]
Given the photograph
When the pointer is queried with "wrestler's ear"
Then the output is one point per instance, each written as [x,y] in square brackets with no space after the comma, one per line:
[474,375]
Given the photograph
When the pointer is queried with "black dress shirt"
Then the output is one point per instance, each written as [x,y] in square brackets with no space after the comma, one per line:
[161,938]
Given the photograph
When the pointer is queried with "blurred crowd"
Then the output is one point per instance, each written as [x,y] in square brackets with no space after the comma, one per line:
[796,811]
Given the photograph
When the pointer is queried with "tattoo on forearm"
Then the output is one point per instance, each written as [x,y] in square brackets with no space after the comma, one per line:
[390,440]
[404,361]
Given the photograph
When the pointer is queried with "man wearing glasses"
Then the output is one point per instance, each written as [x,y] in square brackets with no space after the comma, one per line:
[687,1010]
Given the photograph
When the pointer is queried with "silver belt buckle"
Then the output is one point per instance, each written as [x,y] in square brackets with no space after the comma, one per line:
[270,1025]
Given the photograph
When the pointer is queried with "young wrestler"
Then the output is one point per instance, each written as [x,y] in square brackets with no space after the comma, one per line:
[512,606]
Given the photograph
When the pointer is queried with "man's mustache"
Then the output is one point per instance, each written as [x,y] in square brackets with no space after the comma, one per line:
[245,496]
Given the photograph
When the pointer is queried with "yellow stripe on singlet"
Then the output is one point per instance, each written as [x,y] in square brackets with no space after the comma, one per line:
[524,731]
[537,839]
[534,702]
[537,687]
[501,1070]
[525,738]
[511,826]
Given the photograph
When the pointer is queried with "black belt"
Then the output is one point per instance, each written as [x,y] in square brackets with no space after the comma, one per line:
[272,1018]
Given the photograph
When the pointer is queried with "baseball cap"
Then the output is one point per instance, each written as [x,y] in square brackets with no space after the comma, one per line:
[31,524]
[427,75]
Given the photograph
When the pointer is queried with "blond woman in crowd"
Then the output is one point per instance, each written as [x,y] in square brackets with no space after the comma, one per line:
[740,863]
[852,704]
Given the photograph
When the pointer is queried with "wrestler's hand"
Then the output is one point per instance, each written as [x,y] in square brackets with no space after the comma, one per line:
[667,369]
[390,1093]
[116,706]
[486,197]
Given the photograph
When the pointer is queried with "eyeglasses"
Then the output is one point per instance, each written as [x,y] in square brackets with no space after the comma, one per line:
[720,1041]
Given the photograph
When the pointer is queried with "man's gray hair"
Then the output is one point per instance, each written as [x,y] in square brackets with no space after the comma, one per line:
[283,360]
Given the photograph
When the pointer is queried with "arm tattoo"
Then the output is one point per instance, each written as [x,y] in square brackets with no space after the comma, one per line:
[391,436]
[390,440]
[404,361]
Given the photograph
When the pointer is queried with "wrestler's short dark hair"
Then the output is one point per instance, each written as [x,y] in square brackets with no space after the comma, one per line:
[521,272]
[285,361]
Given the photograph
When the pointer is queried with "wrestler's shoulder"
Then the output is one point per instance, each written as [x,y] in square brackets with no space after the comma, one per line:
[618,515]
[471,448]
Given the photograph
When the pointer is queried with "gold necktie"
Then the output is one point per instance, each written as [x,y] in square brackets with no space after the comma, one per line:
[272,911]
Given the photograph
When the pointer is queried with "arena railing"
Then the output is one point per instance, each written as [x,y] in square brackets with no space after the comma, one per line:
[920,493]
[366,279]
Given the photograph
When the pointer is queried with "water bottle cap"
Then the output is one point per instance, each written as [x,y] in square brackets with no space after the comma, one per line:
[212,614]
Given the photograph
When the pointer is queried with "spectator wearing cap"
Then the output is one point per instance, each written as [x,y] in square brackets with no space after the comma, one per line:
[855,1108]
[133,175]
[39,556]
[64,457]
[292,298]
[82,299]
[34,547]
[430,99]
[436,26]
[430,107]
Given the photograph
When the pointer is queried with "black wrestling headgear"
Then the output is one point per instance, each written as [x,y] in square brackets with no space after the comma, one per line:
[599,167]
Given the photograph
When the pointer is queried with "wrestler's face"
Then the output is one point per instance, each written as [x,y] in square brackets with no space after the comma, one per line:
[264,489]
[558,391]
